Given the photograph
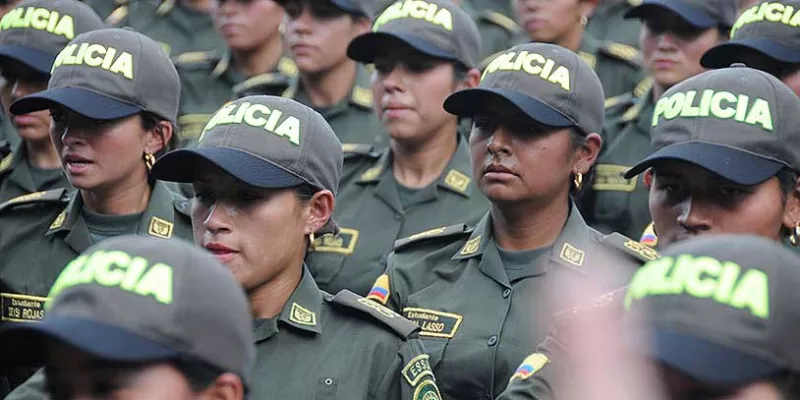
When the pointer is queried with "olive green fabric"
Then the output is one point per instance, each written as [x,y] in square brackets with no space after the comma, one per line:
[353,119]
[338,347]
[608,23]
[177,27]
[208,82]
[35,388]
[8,135]
[498,32]
[502,6]
[613,203]
[517,263]
[371,217]
[477,326]
[618,66]
[17,177]
[102,226]
[104,8]
[40,235]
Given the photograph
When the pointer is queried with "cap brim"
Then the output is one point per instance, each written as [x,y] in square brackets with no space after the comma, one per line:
[706,361]
[693,15]
[23,344]
[368,46]
[82,101]
[739,50]
[467,103]
[732,164]
[181,166]
[38,60]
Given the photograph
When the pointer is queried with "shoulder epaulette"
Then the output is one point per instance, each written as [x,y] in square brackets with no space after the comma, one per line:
[622,52]
[403,327]
[625,99]
[195,59]
[643,87]
[634,3]
[6,162]
[630,247]
[352,150]
[165,7]
[49,196]
[118,15]
[437,233]
[500,20]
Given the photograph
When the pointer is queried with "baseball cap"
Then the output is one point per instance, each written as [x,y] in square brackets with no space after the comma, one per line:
[700,13]
[550,84]
[35,31]
[139,299]
[348,6]
[108,74]
[266,142]
[721,308]
[763,28]
[737,122]
[438,28]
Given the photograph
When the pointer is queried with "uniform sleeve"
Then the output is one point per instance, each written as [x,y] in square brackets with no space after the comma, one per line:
[34,388]
[410,376]
[389,288]
[536,377]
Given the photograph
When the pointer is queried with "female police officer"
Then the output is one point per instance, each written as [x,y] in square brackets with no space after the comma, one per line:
[113,97]
[470,288]
[264,176]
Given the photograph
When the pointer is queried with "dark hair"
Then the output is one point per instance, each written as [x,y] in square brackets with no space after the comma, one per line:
[460,72]
[787,384]
[151,122]
[305,192]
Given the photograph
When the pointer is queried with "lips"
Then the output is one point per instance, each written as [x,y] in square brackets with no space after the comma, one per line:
[497,168]
[221,252]
[72,158]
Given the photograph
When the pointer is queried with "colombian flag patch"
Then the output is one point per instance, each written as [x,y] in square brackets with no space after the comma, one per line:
[649,237]
[380,290]
[532,364]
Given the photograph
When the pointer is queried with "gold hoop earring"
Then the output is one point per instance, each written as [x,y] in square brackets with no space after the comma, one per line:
[794,236]
[311,240]
[577,180]
[584,20]
[149,161]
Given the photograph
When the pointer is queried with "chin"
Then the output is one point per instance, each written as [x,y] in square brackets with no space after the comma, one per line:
[31,134]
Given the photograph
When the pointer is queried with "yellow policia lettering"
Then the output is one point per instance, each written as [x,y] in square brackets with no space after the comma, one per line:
[532,63]
[96,56]
[703,278]
[257,116]
[770,11]
[118,269]
[721,105]
[40,19]
[416,9]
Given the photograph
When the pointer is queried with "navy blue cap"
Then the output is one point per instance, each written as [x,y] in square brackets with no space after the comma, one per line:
[38,60]
[700,13]
[470,101]
[82,101]
[366,47]
[350,6]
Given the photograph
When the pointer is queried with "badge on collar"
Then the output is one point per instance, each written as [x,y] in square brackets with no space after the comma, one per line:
[160,228]
[302,315]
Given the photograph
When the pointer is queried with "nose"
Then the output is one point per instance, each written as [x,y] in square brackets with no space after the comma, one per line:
[667,41]
[303,23]
[499,142]
[695,215]
[217,220]
[392,80]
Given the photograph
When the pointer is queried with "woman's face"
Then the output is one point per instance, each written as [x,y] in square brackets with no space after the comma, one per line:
[551,20]
[21,81]
[687,200]
[99,155]
[257,233]
[672,47]
[246,25]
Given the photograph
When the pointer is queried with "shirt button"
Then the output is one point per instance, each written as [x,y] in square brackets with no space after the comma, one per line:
[492,340]
[398,217]
[506,293]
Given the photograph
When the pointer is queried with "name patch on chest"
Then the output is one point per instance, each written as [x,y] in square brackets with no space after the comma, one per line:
[434,323]
[21,308]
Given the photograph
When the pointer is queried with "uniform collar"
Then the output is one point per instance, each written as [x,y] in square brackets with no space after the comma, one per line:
[477,242]
[589,48]
[360,94]
[303,310]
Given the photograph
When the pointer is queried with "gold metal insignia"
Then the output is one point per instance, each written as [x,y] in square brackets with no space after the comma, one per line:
[457,181]
[471,247]
[611,177]
[160,228]
[589,58]
[642,250]
[21,308]
[349,147]
[343,243]
[302,316]
[59,221]
[287,67]
[416,369]
[427,233]
[372,173]
[362,97]
[572,255]
[27,197]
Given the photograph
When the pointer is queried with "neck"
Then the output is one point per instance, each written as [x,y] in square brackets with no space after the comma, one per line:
[572,40]
[269,300]
[42,154]
[418,166]
[518,228]
[197,5]
[131,199]
[330,87]
[260,60]
[658,90]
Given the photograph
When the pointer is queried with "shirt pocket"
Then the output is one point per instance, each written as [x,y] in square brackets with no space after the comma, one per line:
[434,348]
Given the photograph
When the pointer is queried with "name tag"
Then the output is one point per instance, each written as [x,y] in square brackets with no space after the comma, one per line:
[434,323]
[21,308]
[611,177]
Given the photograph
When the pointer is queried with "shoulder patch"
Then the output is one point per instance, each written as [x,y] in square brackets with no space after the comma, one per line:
[649,237]
[435,233]
[401,326]
[631,247]
[6,163]
[501,20]
[530,366]
[624,99]
[117,16]
[622,52]
[195,59]
[362,97]
[49,196]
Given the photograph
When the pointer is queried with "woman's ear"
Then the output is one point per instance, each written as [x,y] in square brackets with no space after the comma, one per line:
[227,386]
[791,211]
[587,154]
[320,210]
[158,137]
[647,177]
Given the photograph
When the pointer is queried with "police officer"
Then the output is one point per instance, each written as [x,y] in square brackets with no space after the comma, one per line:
[675,35]
[27,52]
[503,7]
[317,34]
[265,175]
[106,337]
[423,180]
[608,22]
[255,61]
[563,22]
[763,40]
[471,287]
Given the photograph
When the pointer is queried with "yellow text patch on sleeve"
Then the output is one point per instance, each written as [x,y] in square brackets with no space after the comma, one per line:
[416,369]
[21,308]
[434,323]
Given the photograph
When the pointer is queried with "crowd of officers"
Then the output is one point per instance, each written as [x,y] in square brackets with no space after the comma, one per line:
[412,199]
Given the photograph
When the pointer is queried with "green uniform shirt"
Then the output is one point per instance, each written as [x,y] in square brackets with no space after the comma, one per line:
[353,119]
[9,139]
[371,217]
[339,347]
[178,28]
[618,66]
[504,7]
[208,82]
[613,202]
[497,31]
[104,8]
[608,23]
[17,177]
[477,326]
[41,232]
